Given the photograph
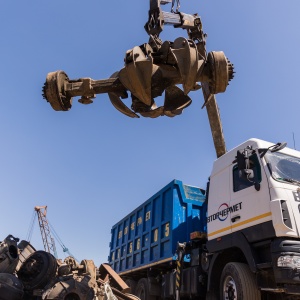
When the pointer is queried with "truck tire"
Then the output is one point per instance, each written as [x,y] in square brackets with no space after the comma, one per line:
[238,283]
[132,284]
[142,290]
[211,295]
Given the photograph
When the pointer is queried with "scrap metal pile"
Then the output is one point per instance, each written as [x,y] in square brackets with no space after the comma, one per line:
[35,275]
[152,69]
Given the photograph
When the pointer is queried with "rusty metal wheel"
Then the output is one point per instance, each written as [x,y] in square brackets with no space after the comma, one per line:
[37,270]
[54,91]
[221,71]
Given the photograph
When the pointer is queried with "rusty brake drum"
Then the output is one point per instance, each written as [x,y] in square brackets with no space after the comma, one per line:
[37,270]
[221,71]
[54,91]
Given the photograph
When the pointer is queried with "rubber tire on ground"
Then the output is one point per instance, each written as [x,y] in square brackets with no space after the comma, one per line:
[132,284]
[242,281]
[142,290]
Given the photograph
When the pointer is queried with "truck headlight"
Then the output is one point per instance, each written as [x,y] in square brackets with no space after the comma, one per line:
[289,261]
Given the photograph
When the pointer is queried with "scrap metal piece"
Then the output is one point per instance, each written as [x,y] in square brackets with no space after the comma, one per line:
[63,269]
[25,249]
[214,120]
[37,270]
[71,261]
[149,71]
[54,91]
[11,287]
[108,292]
[221,71]
[115,280]
[87,266]
[186,55]
[9,253]
[76,287]
[136,76]
[86,91]
[175,101]
[43,277]
[120,295]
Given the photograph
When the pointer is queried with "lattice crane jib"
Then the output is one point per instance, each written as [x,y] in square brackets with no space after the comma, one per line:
[48,241]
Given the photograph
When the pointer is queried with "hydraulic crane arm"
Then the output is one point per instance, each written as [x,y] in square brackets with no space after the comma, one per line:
[158,18]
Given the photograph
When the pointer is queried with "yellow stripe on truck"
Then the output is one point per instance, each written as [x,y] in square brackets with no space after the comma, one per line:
[241,223]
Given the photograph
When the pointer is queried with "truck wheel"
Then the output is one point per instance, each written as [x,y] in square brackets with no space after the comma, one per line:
[142,290]
[238,283]
[132,284]
[211,295]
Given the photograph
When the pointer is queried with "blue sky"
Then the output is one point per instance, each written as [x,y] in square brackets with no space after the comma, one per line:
[92,165]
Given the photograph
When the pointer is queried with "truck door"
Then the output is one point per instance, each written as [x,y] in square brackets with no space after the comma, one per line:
[250,208]
[218,221]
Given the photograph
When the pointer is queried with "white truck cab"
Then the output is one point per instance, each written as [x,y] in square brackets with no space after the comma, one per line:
[254,214]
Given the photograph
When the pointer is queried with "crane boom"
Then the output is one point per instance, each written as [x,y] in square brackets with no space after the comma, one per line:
[48,241]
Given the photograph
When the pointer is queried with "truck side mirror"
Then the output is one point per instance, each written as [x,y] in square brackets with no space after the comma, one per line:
[273,148]
[278,146]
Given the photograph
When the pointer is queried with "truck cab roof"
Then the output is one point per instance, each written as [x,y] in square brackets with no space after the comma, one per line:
[227,159]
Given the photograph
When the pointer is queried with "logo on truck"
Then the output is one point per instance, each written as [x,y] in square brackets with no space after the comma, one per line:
[223,212]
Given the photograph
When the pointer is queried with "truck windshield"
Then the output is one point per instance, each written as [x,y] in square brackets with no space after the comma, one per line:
[284,167]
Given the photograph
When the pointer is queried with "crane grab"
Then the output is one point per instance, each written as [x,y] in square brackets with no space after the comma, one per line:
[154,68]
